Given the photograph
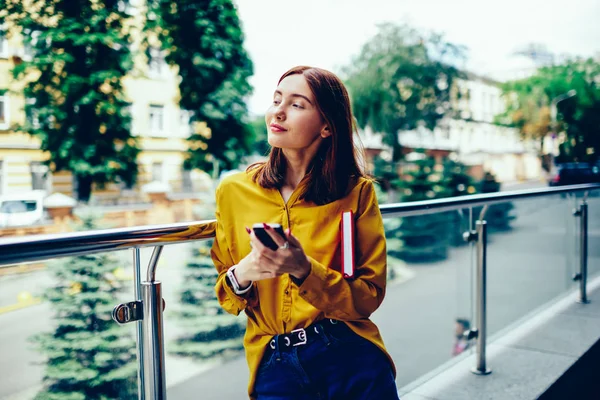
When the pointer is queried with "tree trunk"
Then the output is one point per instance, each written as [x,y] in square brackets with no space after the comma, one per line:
[84,188]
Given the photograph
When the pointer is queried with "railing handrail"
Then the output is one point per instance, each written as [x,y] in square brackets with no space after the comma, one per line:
[43,247]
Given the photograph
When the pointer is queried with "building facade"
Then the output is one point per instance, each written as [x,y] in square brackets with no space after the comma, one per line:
[162,127]
[475,138]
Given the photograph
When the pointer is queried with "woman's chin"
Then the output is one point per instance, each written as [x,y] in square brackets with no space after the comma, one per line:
[275,141]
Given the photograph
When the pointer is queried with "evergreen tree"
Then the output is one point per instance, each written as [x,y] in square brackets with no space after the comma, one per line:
[420,238]
[385,173]
[89,356]
[204,40]
[498,216]
[209,330]
[74,81]
[458,183]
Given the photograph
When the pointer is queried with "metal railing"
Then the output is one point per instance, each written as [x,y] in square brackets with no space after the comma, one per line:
[147,308]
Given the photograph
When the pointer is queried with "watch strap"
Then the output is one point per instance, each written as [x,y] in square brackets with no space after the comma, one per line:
[235,285]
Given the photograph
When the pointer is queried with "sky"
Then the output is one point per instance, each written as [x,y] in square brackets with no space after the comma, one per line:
[328,33]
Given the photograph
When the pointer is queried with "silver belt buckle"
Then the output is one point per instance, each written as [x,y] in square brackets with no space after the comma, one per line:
[301,335]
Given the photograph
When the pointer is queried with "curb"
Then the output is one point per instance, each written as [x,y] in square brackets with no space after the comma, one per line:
[21,269]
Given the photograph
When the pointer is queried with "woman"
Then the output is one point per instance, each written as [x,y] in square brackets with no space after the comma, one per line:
[308,335]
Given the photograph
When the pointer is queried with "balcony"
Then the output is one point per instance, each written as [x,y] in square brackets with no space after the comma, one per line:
[511,287]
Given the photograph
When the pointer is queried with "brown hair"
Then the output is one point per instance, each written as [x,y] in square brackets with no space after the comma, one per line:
[336,162]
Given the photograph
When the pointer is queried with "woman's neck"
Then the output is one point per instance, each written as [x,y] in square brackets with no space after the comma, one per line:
[294,173]
[297,164]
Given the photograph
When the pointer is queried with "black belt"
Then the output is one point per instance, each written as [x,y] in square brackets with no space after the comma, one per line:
[301,336]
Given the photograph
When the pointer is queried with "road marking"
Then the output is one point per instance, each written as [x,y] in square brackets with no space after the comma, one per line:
[32,301]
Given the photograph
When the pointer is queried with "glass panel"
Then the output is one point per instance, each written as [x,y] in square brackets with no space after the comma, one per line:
[66,304]
[199,334]
[428,300]
[530,264]
[594,233]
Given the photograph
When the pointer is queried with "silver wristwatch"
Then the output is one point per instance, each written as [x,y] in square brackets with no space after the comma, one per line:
[235,285]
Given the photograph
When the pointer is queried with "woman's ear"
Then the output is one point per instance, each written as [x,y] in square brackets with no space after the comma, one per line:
[325,132]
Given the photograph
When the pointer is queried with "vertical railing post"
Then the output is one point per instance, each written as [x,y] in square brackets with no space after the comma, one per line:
[481,318]
[582,213]
[154,363]
[137,289]
[154,350]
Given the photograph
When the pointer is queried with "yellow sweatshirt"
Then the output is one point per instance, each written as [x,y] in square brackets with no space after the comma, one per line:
[278,305]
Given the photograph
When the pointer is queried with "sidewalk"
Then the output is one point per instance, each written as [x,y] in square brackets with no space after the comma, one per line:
[526,358]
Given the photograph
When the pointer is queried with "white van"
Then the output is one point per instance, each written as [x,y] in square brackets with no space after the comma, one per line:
[19,209]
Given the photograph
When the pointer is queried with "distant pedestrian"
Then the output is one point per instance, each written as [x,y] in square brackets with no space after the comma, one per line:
[308,334]
[461,343]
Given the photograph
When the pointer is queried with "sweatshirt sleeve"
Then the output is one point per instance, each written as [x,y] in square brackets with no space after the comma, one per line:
[221,256]
[357,298]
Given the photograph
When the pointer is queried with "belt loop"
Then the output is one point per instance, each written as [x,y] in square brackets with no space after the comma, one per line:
[277,350]
[320,330]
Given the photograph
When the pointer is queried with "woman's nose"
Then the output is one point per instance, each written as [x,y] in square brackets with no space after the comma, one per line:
[279,112]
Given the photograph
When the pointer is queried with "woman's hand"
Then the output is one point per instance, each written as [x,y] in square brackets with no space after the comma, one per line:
[264,263]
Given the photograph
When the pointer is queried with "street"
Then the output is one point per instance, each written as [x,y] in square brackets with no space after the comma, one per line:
[527,267]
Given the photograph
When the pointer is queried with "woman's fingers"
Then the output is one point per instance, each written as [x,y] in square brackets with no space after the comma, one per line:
[279,241]
[292,239]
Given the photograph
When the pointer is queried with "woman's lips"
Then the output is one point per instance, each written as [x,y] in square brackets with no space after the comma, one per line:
[277,128]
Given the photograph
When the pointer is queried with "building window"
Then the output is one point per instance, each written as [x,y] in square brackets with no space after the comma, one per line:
[39,176]
[3,46]
[4,112]
[184,123]
[186,177]
[29,45]
[157,172]
[156,64]
[157,119]
[32,115]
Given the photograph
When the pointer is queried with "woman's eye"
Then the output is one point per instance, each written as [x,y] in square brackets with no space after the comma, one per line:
[275,102]
[297,105]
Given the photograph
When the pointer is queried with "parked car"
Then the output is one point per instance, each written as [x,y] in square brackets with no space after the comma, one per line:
[575,173]
[20,209]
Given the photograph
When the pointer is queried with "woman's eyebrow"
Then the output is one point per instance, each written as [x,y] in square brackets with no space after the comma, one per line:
[296,95]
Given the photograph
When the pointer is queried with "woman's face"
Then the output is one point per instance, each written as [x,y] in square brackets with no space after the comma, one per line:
[293,120]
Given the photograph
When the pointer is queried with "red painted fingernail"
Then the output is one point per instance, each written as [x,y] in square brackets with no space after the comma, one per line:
[267,227]
[247,229]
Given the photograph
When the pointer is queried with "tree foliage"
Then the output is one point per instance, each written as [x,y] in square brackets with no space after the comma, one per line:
[402,79]
[205,41]
[89,356]
[208,330]
[260,136]
[456,178]
[74,77]
[529,108]
[421,238]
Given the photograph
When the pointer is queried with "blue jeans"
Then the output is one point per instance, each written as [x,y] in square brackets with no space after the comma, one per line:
[335,364]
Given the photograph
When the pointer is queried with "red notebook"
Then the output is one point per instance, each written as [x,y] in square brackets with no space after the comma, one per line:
[347,243]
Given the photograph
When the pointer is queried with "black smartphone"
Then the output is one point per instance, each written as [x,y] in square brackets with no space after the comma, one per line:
[262,234]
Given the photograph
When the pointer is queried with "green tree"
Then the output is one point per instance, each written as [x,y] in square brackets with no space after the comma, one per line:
[209,330]
[260,136]
[402,79]
[529,107]
[204,40]
[420,238]
[88,356]
[74,78]
[458,183]
[498,216]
